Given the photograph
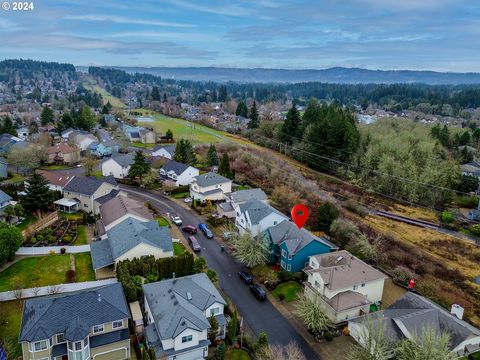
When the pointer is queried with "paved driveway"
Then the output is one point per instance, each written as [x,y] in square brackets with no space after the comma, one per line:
[260,316]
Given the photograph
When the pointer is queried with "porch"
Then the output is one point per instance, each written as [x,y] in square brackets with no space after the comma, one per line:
[67,205]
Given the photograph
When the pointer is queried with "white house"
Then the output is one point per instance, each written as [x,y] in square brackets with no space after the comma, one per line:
[255,216]
[23,133]
[180,174]
[210,186]
[56,180]
[117,166]
[227,208]
[177,312]
[344,286]
[166,151]
[83,140]
[409,315]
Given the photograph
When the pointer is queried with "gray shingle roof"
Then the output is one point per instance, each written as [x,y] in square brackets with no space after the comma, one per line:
[176,167]
[87,185]
[105,198]
[210,179]
[169,148]
[412,312]
[127,235]
[171,309]
[71,313]
[124,160]
[258,210]
[295,239]
[245,195]
[4,197]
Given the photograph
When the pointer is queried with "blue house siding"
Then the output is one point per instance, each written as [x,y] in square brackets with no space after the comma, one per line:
[297,261]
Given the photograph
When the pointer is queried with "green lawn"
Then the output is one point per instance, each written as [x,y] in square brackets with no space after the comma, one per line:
[35,271]
[15,178]
[10,319]
[28,220]
[81,236]
[91,84]
[83,267]
[289,290]
[178,249]
[181,195]
[72,217]
[56,167]
[237,354]
[264,273]
[142,145]
[162,221]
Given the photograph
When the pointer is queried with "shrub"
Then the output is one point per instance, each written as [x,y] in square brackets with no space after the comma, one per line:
[63,250]
[52,252]
[212,275]
[51,239]
[281,296]
[328,336]
[402,274]
[67,239]
[356,208]
[447,217]
[344,231]
[71,276]
[475,229]
[151,278]
[327,214]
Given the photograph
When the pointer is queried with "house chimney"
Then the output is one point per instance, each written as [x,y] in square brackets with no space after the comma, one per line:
[457,310]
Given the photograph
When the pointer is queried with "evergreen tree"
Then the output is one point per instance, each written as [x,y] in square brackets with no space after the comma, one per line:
[327,214]
[212,157]
[85,119]
[291,127]
[155,93]
[38,195]
[8,127]
[67,121]
[184,152]
[222,93]
[105,110]
[169,135]
[242,109]
[224,167]
[10,240]
[46,116]
[467,155]
[232,328]
[465,138]
[140,166]
[254,120]
[164,97]
[212,332]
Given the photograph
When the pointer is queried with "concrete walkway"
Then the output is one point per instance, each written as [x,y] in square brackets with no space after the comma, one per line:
[45,250]
[52,289]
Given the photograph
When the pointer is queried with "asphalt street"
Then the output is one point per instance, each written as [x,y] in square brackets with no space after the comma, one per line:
[260,316]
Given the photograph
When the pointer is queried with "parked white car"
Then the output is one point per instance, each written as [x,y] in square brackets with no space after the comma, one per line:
[176,220]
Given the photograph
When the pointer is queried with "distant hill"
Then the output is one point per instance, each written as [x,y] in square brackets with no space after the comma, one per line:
[338,75]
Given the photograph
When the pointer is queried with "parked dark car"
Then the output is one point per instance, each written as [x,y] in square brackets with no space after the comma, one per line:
[190,229]
[206,231]
[258,291]
[193,242]
[246,277]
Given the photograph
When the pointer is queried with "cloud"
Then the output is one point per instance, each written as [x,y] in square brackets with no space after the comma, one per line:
[229,10]
[124,20]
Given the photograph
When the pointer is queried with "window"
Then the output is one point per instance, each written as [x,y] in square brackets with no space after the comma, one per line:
[117,324]
[40,345]
[187,338]
[355,287]
[97,329]
[85,205]
[282,264]
[289,267]
[78,346]
[275,222]
[284,253]
[289,257]
[214,311]
[317,284]
[60,338]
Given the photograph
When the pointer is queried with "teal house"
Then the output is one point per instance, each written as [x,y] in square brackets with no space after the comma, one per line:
[290,246]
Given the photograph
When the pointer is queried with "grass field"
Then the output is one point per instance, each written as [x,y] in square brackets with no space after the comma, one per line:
[237,354]
[181,195]
[162,221]
[56,167]
[83,267]
[81,236]
[142,145]
[178,249]
[10,319]
[289,290]
[34,272]
[28,220]
[73,217]
[91,84]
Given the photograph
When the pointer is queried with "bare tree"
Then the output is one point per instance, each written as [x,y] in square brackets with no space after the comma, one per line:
[281,352]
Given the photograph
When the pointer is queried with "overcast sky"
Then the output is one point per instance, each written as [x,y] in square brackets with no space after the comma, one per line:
[439,35]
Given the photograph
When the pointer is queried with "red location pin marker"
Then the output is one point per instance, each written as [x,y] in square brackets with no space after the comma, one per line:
[299,215]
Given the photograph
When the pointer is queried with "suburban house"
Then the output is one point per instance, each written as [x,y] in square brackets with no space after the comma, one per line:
[210,186]
[474,214]
[23,133]
[472,169]
[4,200]
[178,173]
[344,286]
[66,133]
[254,216]
[7,141]
[117,166]
[62,154]
[166,151]
[177,312]
[226,209]
[56,180]
[86,193]
[103,149]
[139,134]
[410,314]
[130,239]
[83,139]
[3,168]
[291,247]
[115,210]
[86,324]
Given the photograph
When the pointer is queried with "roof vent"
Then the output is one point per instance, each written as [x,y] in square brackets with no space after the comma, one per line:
[169,291]
[175,303]
[99,298]
[189,295]
[340,258]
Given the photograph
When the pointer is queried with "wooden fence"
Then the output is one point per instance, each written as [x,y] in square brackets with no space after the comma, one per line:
[40,224]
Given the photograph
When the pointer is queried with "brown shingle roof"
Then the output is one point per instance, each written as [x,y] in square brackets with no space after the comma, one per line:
[121,205]
[62,147]
[341,269]
[56,178]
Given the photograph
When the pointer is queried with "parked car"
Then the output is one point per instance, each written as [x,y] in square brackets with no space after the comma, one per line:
[176,220]
[246,277]
[190,229]
[258,291]
[193,242]
[188,200]
[206,231]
